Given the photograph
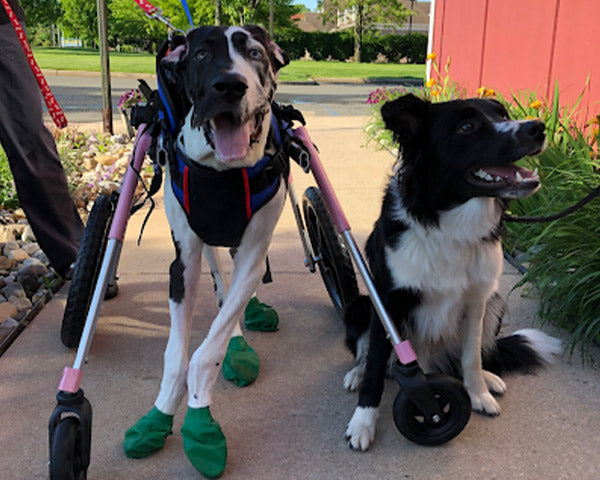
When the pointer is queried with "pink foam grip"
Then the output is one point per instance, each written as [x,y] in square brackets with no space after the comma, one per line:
[405,352]
[70,380]
[337,214]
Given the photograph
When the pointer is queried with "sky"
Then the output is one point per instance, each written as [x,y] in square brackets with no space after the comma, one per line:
[311,4]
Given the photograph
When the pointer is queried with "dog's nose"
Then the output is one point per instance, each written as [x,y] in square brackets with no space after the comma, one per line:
[232,86]
[533,129]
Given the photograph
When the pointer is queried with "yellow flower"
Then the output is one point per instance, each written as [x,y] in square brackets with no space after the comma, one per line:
[430,83]
[593,121]
[431,56]
[435,92]
[536,104]
[486,92]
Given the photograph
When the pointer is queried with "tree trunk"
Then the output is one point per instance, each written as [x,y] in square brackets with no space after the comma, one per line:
[358,33]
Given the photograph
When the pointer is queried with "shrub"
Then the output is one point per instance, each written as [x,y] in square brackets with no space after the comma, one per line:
[8,193]
[340,45]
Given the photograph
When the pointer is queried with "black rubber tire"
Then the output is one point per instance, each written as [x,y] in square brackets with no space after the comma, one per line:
[87,268]
[335,264]
[454,402]
[65,455]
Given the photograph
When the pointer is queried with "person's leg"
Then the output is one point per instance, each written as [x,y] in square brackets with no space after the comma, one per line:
[34,161]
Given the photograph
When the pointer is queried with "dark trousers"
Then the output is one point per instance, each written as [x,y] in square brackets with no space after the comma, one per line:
[38,173]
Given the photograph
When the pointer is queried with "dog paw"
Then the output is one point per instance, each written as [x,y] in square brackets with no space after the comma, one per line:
[485,404]
[361,428]
[494,383]
[353,379]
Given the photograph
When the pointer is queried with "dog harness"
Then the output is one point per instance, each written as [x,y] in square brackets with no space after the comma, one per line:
[219,204]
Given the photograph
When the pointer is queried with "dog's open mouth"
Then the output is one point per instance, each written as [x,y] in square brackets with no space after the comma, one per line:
[231,138]
[508,180]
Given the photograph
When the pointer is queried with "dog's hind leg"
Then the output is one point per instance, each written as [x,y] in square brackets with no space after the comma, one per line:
[241,362]
[220,282]
[148,435]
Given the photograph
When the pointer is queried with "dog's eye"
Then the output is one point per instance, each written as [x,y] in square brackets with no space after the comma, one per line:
[255,54]
[466,127]
[201,54]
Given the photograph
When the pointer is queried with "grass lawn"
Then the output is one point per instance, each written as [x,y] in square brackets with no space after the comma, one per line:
[89,60]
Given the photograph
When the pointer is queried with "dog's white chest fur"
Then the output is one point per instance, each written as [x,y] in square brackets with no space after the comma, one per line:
[447,264]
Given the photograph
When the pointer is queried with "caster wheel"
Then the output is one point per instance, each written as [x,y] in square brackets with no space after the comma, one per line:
[87,268]
[65,455]
[453,401]
[329,250]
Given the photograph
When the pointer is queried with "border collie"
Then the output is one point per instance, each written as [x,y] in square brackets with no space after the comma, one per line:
[435,253]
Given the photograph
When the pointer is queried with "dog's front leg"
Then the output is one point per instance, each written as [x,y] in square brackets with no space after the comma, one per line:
[203,440]
[149,433]
[360,432]
[473,375]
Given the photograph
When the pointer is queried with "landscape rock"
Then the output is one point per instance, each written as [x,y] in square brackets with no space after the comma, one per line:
[18,255]
[7,310]
[28,235]
[22,304]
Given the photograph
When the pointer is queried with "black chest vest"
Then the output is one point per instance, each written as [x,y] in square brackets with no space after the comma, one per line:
[219,204]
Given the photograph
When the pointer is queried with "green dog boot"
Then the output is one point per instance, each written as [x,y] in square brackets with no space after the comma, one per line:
[260,317]
[241,362]
[148,435]
[204,443]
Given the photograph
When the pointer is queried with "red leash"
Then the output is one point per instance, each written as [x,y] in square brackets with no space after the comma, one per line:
[145,6]
[53,107]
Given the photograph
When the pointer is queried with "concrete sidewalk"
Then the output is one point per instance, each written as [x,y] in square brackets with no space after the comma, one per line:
[290,423]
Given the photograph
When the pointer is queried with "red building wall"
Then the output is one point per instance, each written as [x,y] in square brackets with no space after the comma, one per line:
[512,45]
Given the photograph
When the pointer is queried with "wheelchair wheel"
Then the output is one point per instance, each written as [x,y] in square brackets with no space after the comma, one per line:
[454,402]
[65,456]
[87,268]
[329,250]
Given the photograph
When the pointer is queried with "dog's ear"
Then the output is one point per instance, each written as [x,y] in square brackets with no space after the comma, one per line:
[404,116]
[279,58]
[174,56]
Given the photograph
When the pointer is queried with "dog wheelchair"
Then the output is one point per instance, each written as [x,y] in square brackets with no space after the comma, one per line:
[428,410]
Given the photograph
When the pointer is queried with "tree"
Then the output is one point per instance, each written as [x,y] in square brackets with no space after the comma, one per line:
[41,12]
[367,13]
[80,20]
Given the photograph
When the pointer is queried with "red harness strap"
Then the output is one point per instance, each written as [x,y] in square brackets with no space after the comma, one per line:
[53,107]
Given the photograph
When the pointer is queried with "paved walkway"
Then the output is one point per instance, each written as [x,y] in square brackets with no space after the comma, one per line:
[289,424]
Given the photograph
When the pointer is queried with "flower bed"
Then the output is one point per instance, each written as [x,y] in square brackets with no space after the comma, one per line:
[94,165]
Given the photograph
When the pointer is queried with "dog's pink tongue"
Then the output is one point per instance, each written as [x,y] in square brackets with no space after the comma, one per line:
[232,142]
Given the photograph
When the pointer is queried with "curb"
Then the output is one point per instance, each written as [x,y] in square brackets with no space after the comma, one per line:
[417,82]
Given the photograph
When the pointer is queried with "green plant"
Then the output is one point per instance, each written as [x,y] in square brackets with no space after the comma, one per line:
[8,192]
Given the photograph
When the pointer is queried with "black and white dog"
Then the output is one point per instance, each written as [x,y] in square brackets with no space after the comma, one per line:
[226,77]
[436,257]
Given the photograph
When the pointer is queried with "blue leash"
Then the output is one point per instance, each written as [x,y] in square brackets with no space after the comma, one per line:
[187,12]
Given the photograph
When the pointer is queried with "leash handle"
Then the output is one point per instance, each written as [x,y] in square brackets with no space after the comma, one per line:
[146,7]
[54,109]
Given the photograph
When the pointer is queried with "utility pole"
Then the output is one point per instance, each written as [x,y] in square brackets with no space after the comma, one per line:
[107,117]
[218,12]
[271,19]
